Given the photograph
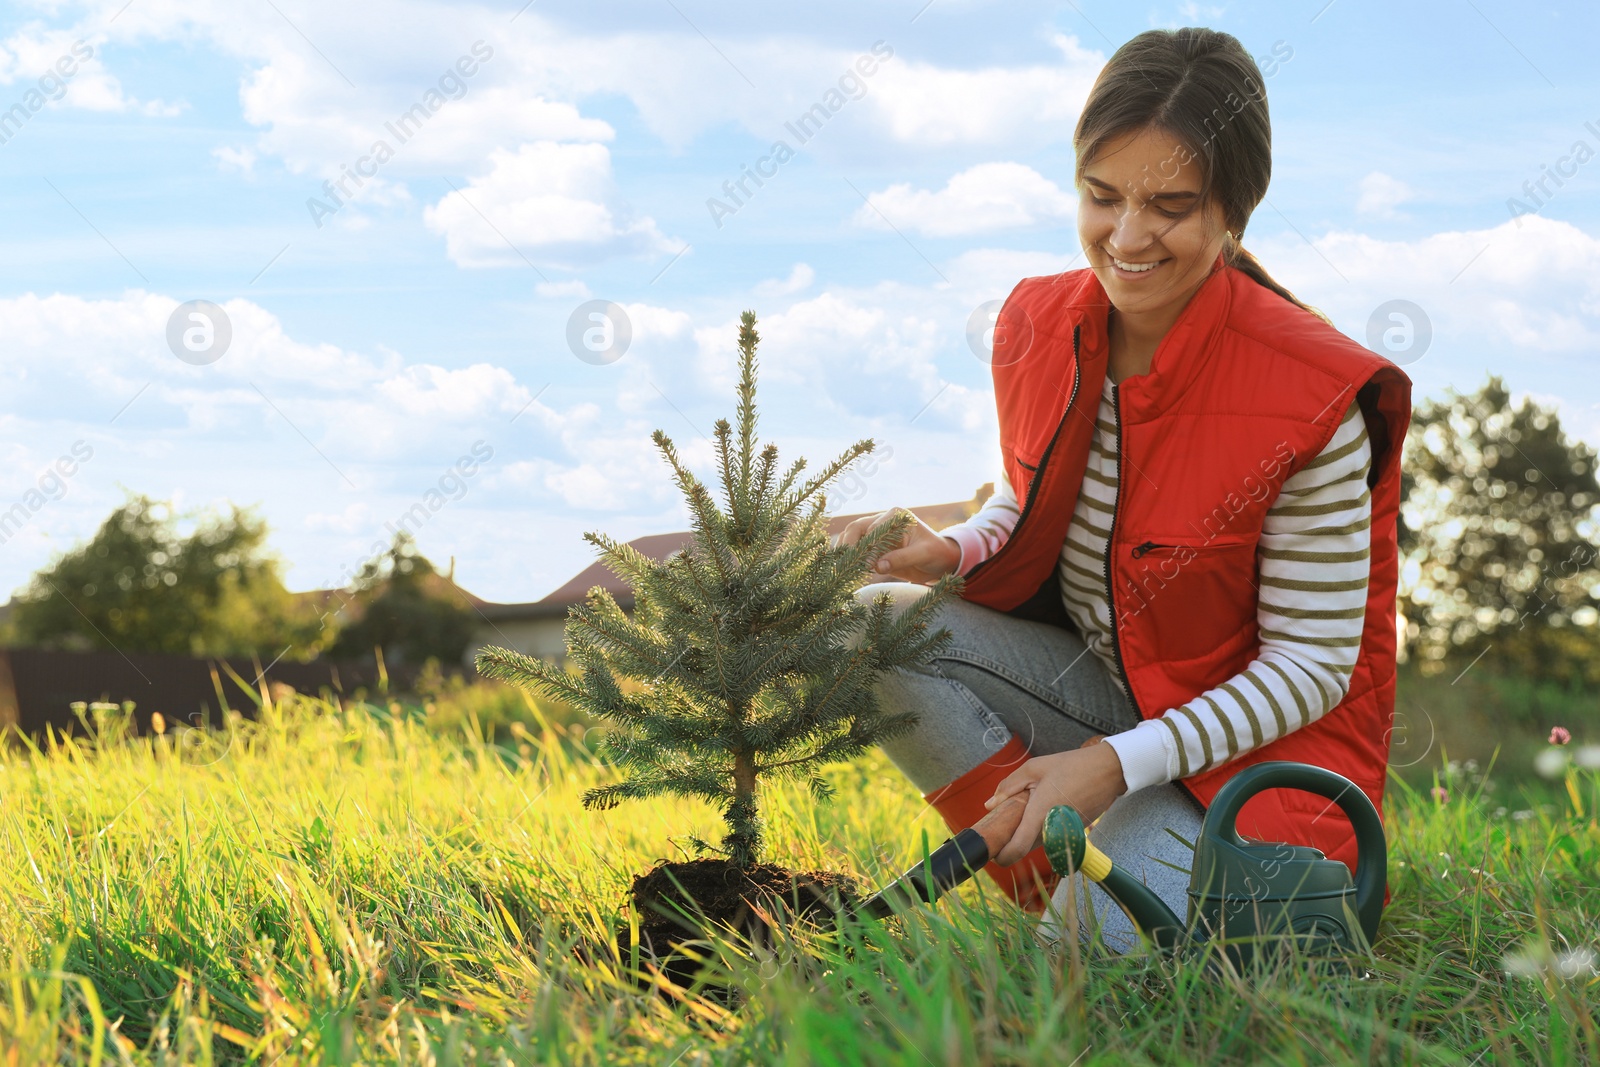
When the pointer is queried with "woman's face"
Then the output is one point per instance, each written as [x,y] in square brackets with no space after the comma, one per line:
[1148,241]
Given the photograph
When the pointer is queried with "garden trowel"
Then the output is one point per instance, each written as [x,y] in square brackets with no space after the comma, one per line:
[952,863]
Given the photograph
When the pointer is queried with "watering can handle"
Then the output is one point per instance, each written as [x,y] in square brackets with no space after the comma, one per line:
[1372,848]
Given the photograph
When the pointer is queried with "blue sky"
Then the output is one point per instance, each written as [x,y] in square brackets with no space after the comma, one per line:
[429,313]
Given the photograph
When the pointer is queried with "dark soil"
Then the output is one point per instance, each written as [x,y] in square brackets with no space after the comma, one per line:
[717,895]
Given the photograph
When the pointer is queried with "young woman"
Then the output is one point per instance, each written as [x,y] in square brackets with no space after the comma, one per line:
[1190,551]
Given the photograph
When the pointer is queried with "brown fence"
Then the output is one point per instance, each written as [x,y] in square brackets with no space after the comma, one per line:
[37,688]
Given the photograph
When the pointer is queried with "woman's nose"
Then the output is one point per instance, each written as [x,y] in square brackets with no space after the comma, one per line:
[1134,230]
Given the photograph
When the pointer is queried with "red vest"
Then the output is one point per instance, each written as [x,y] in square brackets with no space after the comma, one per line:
[1244,391]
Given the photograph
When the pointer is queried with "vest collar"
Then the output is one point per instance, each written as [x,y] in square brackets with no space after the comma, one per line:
[1182,353]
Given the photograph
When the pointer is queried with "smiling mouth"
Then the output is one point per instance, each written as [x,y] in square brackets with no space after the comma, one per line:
[1135,268]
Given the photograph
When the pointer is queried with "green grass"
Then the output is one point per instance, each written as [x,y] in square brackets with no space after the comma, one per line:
[1471,712]
[346,885]
[494,711]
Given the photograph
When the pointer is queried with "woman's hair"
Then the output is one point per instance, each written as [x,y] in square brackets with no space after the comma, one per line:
[1201,87]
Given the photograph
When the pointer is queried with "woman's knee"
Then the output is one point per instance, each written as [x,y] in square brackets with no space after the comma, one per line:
[901,596]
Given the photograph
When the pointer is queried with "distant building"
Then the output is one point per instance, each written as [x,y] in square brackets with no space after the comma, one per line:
[37,686]
[538,628]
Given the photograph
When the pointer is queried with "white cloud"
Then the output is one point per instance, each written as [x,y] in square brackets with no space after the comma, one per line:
[314,119]
[872,355]
[982,274]
[614,476]
[242,160]
[1522,289]
[310,121]
[656,323]
[63,67]
[352,519]
[105,352]
[560,290]
[681,91]
[1522,302]
[980,199]
[1189,14]
[281,422]
[328,441]
[426,391]
[799,278]
[1380,194]
[161,109]
[325,85]
[549,202]
[1016,105]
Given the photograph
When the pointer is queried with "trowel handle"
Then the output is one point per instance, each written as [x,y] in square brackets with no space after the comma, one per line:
[953,862]
[946,867]
[1372,848]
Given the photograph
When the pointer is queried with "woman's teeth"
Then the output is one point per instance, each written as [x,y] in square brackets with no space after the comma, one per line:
[1136,267]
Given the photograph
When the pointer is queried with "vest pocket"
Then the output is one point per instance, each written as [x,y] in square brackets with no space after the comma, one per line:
[1185,549]
[1188,597]
[1021,466]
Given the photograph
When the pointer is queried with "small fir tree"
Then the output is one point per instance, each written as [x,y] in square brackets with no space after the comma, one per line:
[755,659]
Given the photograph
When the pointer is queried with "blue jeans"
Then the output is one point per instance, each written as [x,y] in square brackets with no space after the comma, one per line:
[1003,676]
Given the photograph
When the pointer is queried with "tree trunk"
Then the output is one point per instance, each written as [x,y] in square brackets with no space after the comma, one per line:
[744,774]
[744,837]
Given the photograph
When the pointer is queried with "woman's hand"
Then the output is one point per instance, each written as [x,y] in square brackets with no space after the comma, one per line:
[1088,778]
[921,557]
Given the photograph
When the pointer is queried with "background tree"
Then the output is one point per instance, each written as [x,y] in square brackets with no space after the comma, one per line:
[407,608]
[754,659]
[140,585]
[1498,541]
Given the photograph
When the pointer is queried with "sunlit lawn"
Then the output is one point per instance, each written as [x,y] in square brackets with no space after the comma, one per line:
[349,886]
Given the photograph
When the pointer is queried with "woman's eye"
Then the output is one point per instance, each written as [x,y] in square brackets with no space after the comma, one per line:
[1113,203]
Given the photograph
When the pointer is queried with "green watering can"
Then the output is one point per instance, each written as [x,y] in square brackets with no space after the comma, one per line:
[1241,893]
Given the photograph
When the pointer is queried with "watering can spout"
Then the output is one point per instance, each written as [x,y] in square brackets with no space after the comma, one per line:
[1069,849]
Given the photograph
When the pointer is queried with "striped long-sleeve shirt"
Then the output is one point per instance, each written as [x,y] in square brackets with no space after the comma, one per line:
[1314,562]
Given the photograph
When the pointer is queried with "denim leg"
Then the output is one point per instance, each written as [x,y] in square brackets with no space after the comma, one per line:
[1000,676]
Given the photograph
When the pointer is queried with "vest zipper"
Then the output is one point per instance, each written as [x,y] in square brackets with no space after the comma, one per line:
[1111,538]
[1033,486]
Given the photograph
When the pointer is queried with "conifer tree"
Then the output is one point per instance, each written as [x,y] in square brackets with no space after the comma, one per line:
[754,659]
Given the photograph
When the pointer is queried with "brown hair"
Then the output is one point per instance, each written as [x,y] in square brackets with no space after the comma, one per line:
[1204,89]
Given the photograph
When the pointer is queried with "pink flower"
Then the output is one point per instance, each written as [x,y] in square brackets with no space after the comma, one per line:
[1559,735]
[1441,794]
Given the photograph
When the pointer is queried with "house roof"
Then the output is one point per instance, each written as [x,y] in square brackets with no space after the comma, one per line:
[660,546]
[349,608]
